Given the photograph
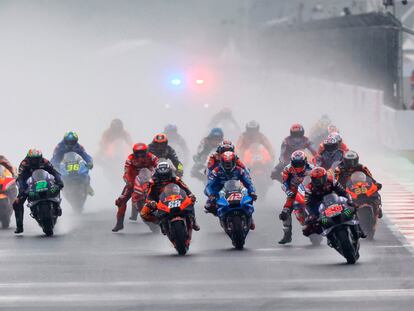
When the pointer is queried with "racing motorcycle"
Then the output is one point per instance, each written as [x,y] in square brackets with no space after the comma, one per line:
[174,211]
[301,213]
[112,158]
[259,161]
[235,210]
[139,196]
[8,193]
[364,193]
[75,175]
[340,226]
[44,200]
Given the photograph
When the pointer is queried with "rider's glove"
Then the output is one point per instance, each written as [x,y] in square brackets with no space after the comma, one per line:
[290,193]
[152,205]
[379,185]
[192,197]
[284,214]
[90,165]
[55,189]
[180,170]
[254,196]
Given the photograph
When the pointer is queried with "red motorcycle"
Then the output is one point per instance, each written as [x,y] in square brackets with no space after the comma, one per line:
[259,161]
[173,210]
[8,193]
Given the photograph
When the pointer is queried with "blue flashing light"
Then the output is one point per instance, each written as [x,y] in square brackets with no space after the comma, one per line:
[176,82]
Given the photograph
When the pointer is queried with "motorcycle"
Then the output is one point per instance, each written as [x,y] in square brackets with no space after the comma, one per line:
[364,194]
[44,200]
[259,161]
[340,226]
[75,175]
[8,193]
[235,210]
[174,209]
[139,196]
[301,213]
[112,158]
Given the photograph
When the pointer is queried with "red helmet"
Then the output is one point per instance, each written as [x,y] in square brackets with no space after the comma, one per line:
[225,145]
[298,160]
[297,130]
[140,150]
[228,161]
[160,138]
[319,176]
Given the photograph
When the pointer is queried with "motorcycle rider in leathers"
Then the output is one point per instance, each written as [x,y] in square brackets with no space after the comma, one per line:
[215,158]
[176,140]
[34,160]
[162,150]
[292,176]
[331,153]
[207,145]
[349,165]
[295,141]
[163,176]
[139,159]
[227,170]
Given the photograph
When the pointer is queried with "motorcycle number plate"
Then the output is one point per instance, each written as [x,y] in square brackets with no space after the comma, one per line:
[333,210]
[234,197]
[72,167]
[41,185]
[174,204]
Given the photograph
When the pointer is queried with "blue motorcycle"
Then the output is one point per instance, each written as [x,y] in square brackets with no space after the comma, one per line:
[235,210]
[75,175]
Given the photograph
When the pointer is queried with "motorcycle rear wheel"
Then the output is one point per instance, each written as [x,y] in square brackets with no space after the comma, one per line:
[237,232]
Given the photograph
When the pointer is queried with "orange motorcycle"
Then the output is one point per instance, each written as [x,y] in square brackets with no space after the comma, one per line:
[8,193]
[364,193]
[174,211]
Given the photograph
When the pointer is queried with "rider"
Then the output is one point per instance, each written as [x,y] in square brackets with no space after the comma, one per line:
[292,176]
[348,166]
[139,159]
[319,131]
[207,145]
[70,144]
[34,160]
[175,139]
[330,154]
[251,136]
[115,131]
[295,141]
[163,176]
[225,118]
[162,150]
[227,170]
[342,146]
[214,159]
[7,165]
[321,184]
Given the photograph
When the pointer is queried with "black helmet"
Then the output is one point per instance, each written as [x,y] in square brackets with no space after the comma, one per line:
[351,159]
[117,125]
[331,143]
[297,130]
[171,129]
[252,127]
[164,171]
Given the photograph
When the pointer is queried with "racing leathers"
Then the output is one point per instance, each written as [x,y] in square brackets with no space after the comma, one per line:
[7,165]
[218,178]
[26,169]
[207,145]
[291,179]
[247,139]
[327,159]
[164,151]
[62,148]
[313,199]
[289,145]
[176,140]
[133,165]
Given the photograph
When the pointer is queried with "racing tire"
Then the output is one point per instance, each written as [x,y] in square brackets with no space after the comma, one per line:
[45,216]
[237,232]
[179,233]
[345,243]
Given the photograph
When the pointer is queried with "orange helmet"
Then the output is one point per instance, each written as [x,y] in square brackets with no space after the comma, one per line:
[140,150]
[160,138]
[319,176]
